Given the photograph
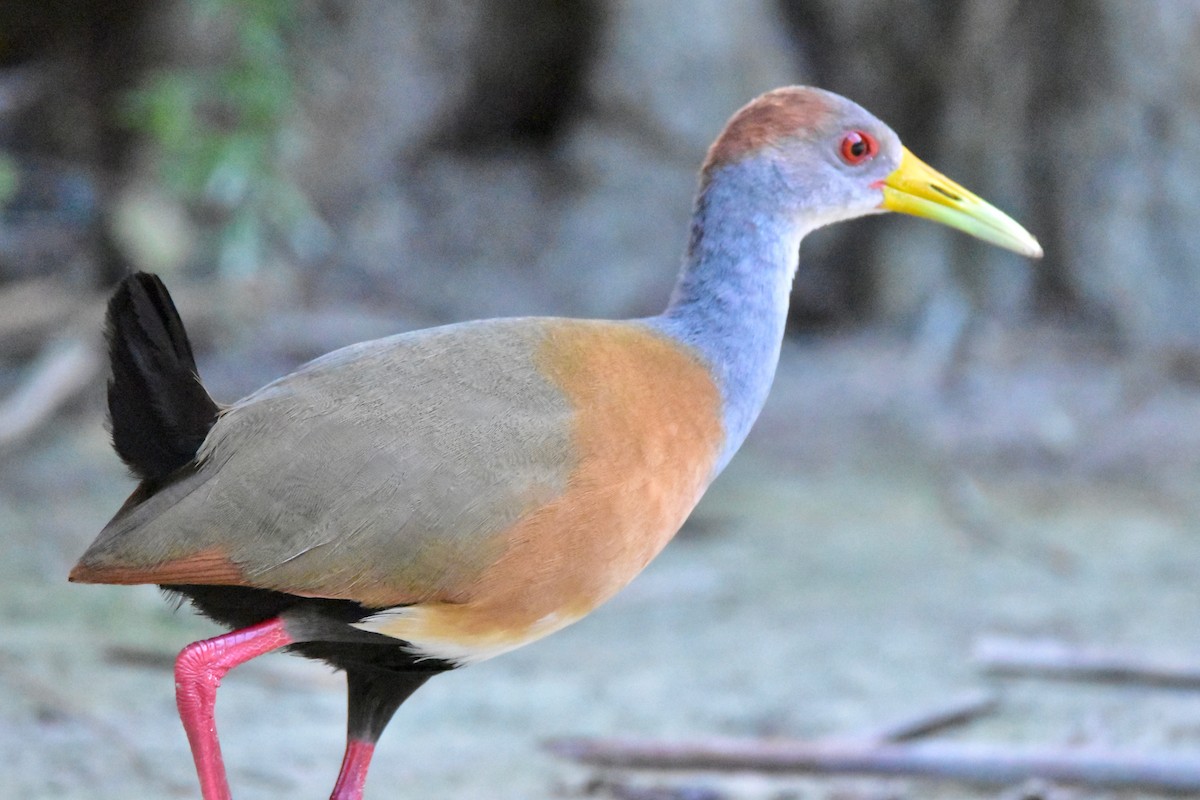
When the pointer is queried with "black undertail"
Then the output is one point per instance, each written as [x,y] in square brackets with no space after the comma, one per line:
[240,607]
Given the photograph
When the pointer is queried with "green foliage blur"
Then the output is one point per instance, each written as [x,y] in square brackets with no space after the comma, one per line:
[9,178]
[222,134]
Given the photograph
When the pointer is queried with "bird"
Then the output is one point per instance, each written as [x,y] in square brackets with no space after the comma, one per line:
[411,505]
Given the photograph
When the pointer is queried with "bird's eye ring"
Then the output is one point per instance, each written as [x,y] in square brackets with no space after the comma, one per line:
[858,147]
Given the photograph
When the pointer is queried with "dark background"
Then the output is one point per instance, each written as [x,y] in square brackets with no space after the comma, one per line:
[962,443]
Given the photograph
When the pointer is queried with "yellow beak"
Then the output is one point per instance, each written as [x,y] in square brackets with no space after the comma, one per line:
[918,189]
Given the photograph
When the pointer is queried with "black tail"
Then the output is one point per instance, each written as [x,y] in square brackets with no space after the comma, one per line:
[159,410]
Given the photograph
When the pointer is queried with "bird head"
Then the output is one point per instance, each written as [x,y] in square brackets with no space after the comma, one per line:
[832,160]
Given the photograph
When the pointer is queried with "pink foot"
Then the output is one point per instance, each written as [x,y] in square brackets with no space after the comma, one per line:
[353,776]
[198,672]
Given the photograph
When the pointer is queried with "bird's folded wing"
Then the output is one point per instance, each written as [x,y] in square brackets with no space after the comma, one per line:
[383,473]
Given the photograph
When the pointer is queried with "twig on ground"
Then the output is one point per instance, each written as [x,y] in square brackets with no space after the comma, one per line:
[957,711]
[1054,659]
[970,763]
[628,790]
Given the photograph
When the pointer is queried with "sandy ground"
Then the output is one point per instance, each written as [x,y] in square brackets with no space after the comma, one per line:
[835,578]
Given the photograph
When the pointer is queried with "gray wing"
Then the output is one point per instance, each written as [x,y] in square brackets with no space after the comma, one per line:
[383,470]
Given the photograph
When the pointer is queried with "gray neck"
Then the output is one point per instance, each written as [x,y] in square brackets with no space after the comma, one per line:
[731,300]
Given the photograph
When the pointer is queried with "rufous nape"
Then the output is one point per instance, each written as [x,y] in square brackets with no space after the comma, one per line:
[415,504]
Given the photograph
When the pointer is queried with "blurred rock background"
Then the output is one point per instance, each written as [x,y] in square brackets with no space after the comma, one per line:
[307,174]
[483,157]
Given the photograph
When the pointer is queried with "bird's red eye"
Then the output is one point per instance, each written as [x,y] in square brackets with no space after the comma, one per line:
[858,146]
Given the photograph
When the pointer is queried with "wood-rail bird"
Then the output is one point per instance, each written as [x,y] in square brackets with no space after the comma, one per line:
[410,505]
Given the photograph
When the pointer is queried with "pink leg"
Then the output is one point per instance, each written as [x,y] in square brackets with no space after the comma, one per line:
[198,672]
[353,776]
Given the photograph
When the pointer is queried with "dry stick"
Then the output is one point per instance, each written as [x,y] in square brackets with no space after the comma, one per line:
[957,711]
[66,367]
[971,763]
[1054,659]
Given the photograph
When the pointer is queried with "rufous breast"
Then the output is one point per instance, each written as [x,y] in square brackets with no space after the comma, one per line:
[646,433]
